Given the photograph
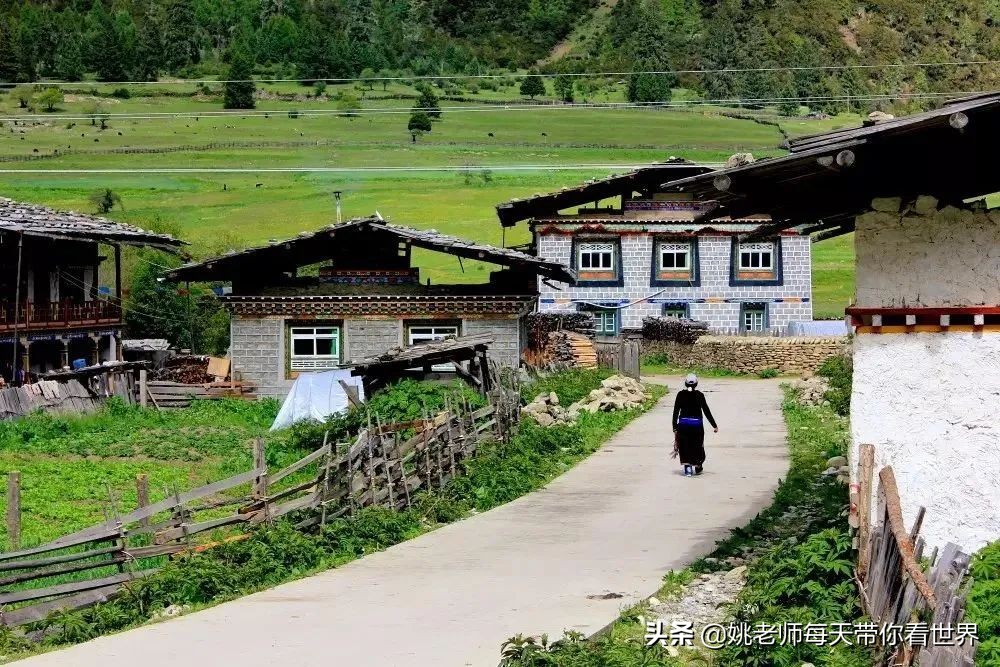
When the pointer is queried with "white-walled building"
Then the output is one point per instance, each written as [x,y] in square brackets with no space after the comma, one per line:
[926,316]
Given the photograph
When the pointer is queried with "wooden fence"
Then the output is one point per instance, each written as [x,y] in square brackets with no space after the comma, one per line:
[69,396]
[621,355]
[895,588]
[380,467]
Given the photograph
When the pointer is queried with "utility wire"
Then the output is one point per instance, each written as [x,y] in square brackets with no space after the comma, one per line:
[243,114]
[446,77]
[333,170]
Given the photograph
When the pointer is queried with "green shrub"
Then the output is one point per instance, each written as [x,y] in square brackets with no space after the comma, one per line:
[768,373]
[839,373]
[984,603]
[122,93]
[570,386]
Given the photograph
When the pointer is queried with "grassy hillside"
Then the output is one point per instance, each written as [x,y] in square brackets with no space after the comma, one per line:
[218,211]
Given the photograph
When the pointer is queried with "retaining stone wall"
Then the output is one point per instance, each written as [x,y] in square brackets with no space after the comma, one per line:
[751,354]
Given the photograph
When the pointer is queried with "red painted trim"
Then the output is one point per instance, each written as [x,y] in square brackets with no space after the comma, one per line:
[855,311]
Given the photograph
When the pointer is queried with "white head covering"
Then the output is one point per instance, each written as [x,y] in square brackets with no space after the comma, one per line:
[691,380]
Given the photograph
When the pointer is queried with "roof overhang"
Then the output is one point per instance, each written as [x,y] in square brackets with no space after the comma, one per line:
[828,179]
[516,210]
[312,247]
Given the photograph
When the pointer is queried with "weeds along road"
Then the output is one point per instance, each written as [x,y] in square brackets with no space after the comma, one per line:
[615,523]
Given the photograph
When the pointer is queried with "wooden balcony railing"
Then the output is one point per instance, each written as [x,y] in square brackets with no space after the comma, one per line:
[32,316]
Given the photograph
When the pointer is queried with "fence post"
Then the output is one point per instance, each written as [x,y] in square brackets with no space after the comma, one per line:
[143,391]
[259,463]
[142,495]
[14,509]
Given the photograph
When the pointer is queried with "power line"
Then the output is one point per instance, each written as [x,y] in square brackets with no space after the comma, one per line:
[333,170]
[448,77]
[565,106]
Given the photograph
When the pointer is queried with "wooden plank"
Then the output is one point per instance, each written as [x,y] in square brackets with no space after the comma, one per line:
[14,509]
[142,496]
[894,514]
[40,611]
[295,467]
[55,560]
[866,468]
[106,530]
[71,587]
[117,557]
[218,367]
[188,529]
[304,502]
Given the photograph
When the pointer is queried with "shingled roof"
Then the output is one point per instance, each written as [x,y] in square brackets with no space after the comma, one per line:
[35,220]
[305,244]
[827,179]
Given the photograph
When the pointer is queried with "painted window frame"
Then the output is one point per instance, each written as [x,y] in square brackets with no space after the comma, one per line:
[683,307]
[615,280]
[693,278]
[599,313]
[777,278]
[454,325]
[753,307]
[298,363]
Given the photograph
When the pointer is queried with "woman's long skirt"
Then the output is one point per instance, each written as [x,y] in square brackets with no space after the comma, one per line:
[691,445]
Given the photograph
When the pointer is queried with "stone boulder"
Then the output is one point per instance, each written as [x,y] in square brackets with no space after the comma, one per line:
[618,392]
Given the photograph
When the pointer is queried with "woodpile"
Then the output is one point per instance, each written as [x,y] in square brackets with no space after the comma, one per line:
[186,369]
[572,348]
[166,395]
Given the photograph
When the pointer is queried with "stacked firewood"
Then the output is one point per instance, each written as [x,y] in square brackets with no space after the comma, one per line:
[572,348]
[188,369]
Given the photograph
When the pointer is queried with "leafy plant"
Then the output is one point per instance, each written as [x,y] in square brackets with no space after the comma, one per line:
[984,603]
[768,373]
[839,373]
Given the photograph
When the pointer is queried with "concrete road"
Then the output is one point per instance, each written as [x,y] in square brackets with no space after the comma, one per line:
[613,524]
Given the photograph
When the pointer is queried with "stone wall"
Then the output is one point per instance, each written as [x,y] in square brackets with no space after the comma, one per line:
[506,347]
[366,338]
[257,352]
[714,300]
[750,354]
[919,256]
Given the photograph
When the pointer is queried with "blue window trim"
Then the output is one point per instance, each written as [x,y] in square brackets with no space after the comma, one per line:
[587,308]
[654,266]
[619,281]
[755,305]
[734,261]
[677,305]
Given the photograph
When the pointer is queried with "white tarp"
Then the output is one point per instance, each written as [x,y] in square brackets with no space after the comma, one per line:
[316,396]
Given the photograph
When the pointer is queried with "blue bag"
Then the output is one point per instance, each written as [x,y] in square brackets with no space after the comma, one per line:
[693,422]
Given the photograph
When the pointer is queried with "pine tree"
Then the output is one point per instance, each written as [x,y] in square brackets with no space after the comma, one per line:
[532,86]
[427,102]
[240,88]
[419,124]
[69,58]
[564,87]
[149,52]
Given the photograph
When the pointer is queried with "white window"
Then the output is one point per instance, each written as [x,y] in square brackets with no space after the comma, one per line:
[754,318]
[597,256]
[422,334]
[675,311]
[606,321]
[314,348]
[429,333]
[675,257]
[756,257]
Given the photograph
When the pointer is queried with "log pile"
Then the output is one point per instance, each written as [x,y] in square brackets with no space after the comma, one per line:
[572,348]
[186,369]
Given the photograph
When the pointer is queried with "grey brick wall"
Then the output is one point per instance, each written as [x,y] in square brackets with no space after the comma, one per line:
[506,347]
[257,352]
[365,338]
[258,346]
[714,300]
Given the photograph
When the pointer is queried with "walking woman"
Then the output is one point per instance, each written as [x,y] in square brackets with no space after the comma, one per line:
[689,439]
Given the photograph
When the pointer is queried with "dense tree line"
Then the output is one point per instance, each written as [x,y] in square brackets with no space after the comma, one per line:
[142,39]
[311,39]
[747,34]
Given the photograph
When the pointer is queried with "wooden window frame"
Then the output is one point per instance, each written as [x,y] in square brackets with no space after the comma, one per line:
[334,359]
[611,277]
[659,277]
[753,277]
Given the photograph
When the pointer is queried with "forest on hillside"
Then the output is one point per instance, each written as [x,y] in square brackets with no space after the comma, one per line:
[118,40]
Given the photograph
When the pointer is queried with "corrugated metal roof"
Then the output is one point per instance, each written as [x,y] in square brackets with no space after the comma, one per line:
[36,220]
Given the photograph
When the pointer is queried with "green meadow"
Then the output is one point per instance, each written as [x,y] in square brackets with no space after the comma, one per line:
[449,179]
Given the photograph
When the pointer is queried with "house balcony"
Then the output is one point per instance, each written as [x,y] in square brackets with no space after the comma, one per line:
[30,316]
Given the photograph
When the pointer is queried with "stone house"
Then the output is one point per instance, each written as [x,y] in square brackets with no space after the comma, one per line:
[349,291]
[651,253]
[926,315]
[53,309]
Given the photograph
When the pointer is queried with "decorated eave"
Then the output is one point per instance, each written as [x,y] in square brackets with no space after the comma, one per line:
[639,180]
[617,225]
[828,179]
[400,306]
[40,221]
[309,248]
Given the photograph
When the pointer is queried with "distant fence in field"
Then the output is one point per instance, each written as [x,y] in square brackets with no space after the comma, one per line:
[379,467]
